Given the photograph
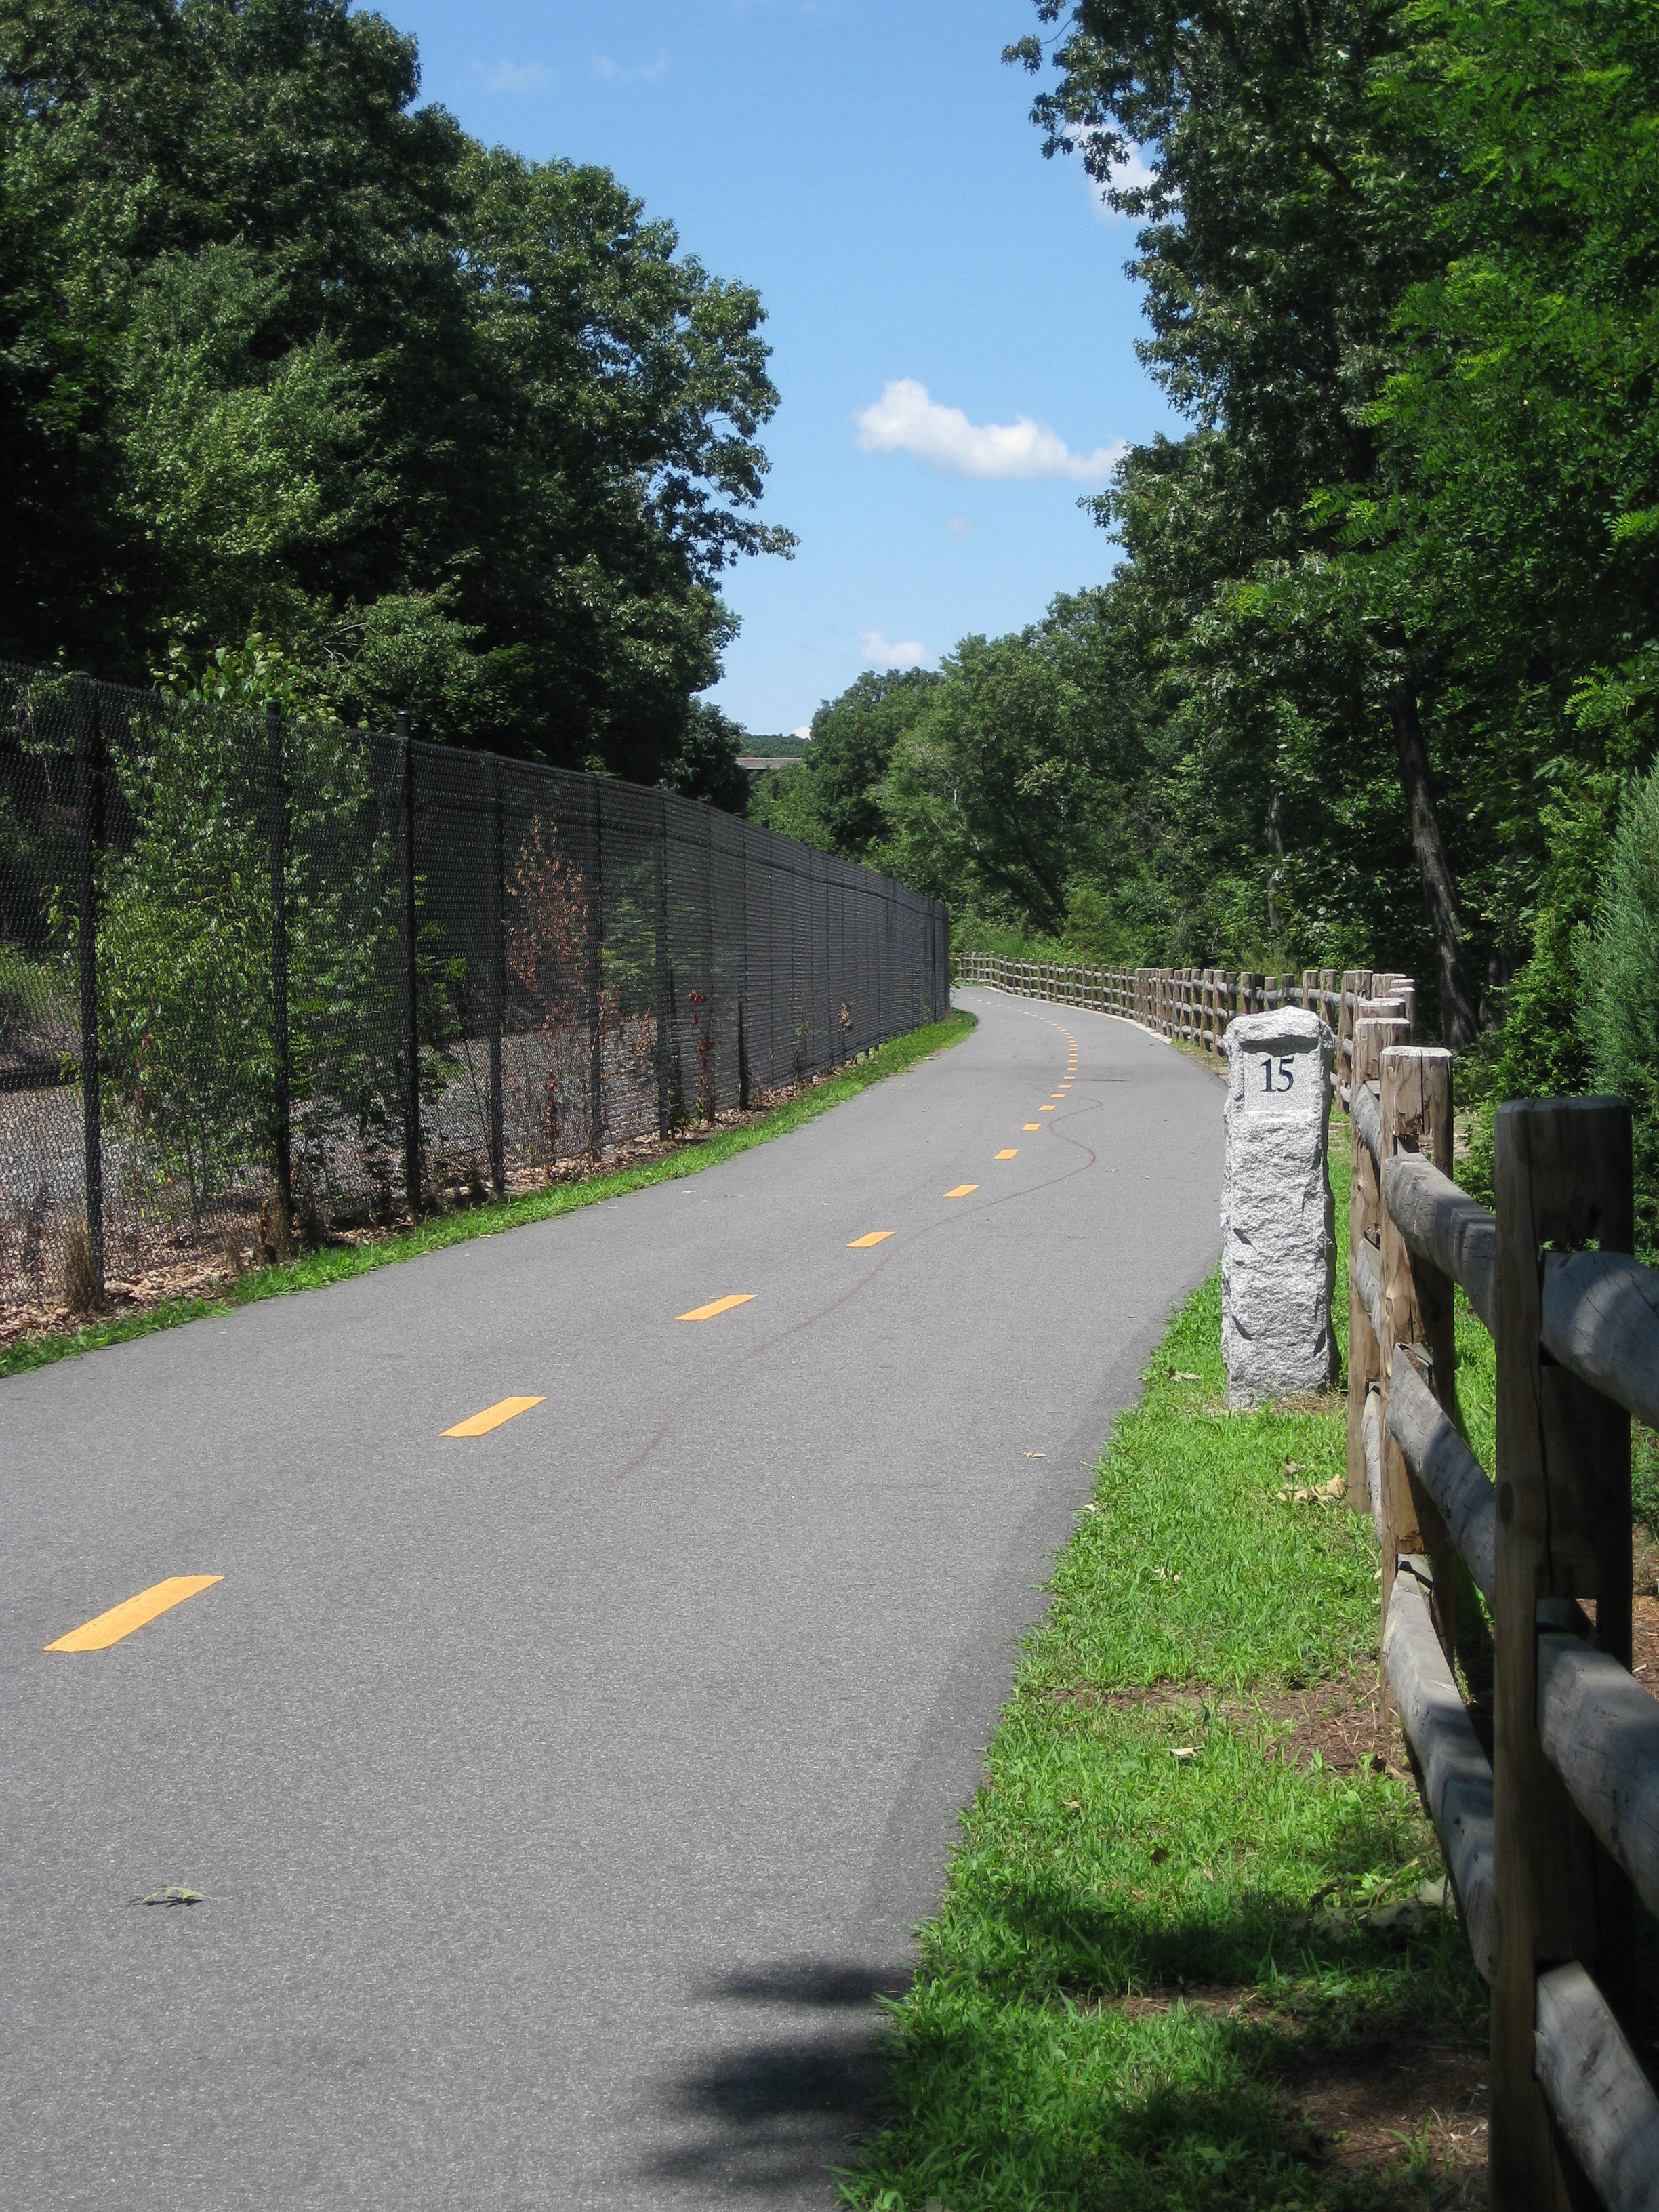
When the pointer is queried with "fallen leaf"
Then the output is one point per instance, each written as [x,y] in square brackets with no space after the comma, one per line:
[1180,1375]
[1185,1751]
[174,1894]
[1208,1873]
[1069,1805]
[1160,1855]
[1036,1455]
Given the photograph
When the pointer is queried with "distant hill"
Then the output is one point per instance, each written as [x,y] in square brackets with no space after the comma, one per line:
[759,747]
[771,752]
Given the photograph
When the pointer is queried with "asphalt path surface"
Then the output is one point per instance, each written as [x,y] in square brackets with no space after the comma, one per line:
[560,1797]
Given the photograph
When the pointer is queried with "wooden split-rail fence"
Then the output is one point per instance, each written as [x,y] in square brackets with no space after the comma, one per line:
[1550,1841]
[1192,1005]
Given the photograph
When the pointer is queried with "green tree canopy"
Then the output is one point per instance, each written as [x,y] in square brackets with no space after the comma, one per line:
[282,351]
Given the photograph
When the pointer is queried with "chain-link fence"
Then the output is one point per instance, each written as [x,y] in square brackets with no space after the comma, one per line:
[256,972]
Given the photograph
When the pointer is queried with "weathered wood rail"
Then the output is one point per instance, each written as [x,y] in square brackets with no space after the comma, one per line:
[1195,1004]
[1549,1842]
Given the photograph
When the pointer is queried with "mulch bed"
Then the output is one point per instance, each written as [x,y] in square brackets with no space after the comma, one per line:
[202,1270]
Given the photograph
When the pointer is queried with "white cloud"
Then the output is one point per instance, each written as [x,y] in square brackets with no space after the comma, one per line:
[960,526]
[643,73]
[905,419]
[804,731]
[513,76]
[909,652]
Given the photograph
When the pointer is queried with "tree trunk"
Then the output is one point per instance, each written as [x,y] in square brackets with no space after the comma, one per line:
[1276,846]
[1459,1024]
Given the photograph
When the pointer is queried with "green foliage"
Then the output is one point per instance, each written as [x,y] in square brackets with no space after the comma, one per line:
[1383,645]
[1545,1051]
[183,965]
[282,353]
[1622,973]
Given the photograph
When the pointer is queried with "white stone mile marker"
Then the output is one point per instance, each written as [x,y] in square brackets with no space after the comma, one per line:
[1278,1219]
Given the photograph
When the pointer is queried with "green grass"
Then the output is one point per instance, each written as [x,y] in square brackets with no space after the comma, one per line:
[333,1265]
[1225,1896]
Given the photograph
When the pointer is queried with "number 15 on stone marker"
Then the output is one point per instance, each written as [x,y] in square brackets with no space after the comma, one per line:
[1285,1078]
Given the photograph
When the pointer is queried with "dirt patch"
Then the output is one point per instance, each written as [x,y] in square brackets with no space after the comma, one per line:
[1644,1641]
[1368,2105]
[1340,1720]
[1358,2108]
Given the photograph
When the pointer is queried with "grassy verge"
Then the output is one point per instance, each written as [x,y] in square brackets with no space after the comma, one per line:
[335,1264]
[1184,1954]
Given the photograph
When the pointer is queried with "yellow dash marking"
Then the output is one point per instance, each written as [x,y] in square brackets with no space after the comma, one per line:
[863,1243]
[1013,1155]
[1045,1109]
[962,1190]
[1030,1124]
[719,1306]
[493,1416]
[121,1619]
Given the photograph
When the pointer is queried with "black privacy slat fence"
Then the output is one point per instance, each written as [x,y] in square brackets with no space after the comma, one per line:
[245,959]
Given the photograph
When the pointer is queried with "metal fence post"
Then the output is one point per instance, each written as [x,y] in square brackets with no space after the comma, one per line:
[659,867]
[88,842]
[595,975]
[411,980]
[496,954]
[706,1049]
[743,977]
[281,1103]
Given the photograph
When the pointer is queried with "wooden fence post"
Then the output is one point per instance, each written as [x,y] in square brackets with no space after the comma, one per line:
[1417,1310]
[1562,1175]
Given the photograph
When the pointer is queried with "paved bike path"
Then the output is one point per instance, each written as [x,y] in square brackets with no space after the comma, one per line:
[560,1796]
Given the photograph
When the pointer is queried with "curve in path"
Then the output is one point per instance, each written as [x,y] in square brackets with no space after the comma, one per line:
[559,1795]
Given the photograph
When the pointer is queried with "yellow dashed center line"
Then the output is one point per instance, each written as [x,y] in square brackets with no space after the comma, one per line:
[962,1190]
[1045,1109]
[1030,1124]
[719,1306]
[121,1619]
[492,1417]
[863,1243]
[1013,1155]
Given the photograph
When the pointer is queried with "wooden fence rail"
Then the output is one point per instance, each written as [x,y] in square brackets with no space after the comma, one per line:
[1548,1842]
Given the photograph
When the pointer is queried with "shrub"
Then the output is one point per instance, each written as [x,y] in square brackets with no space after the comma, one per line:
[1620,970]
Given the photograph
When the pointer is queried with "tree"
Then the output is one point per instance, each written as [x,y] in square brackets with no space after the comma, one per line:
[282,351]
[1271,272]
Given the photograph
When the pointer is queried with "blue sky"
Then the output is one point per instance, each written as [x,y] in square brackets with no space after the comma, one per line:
[953,331]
